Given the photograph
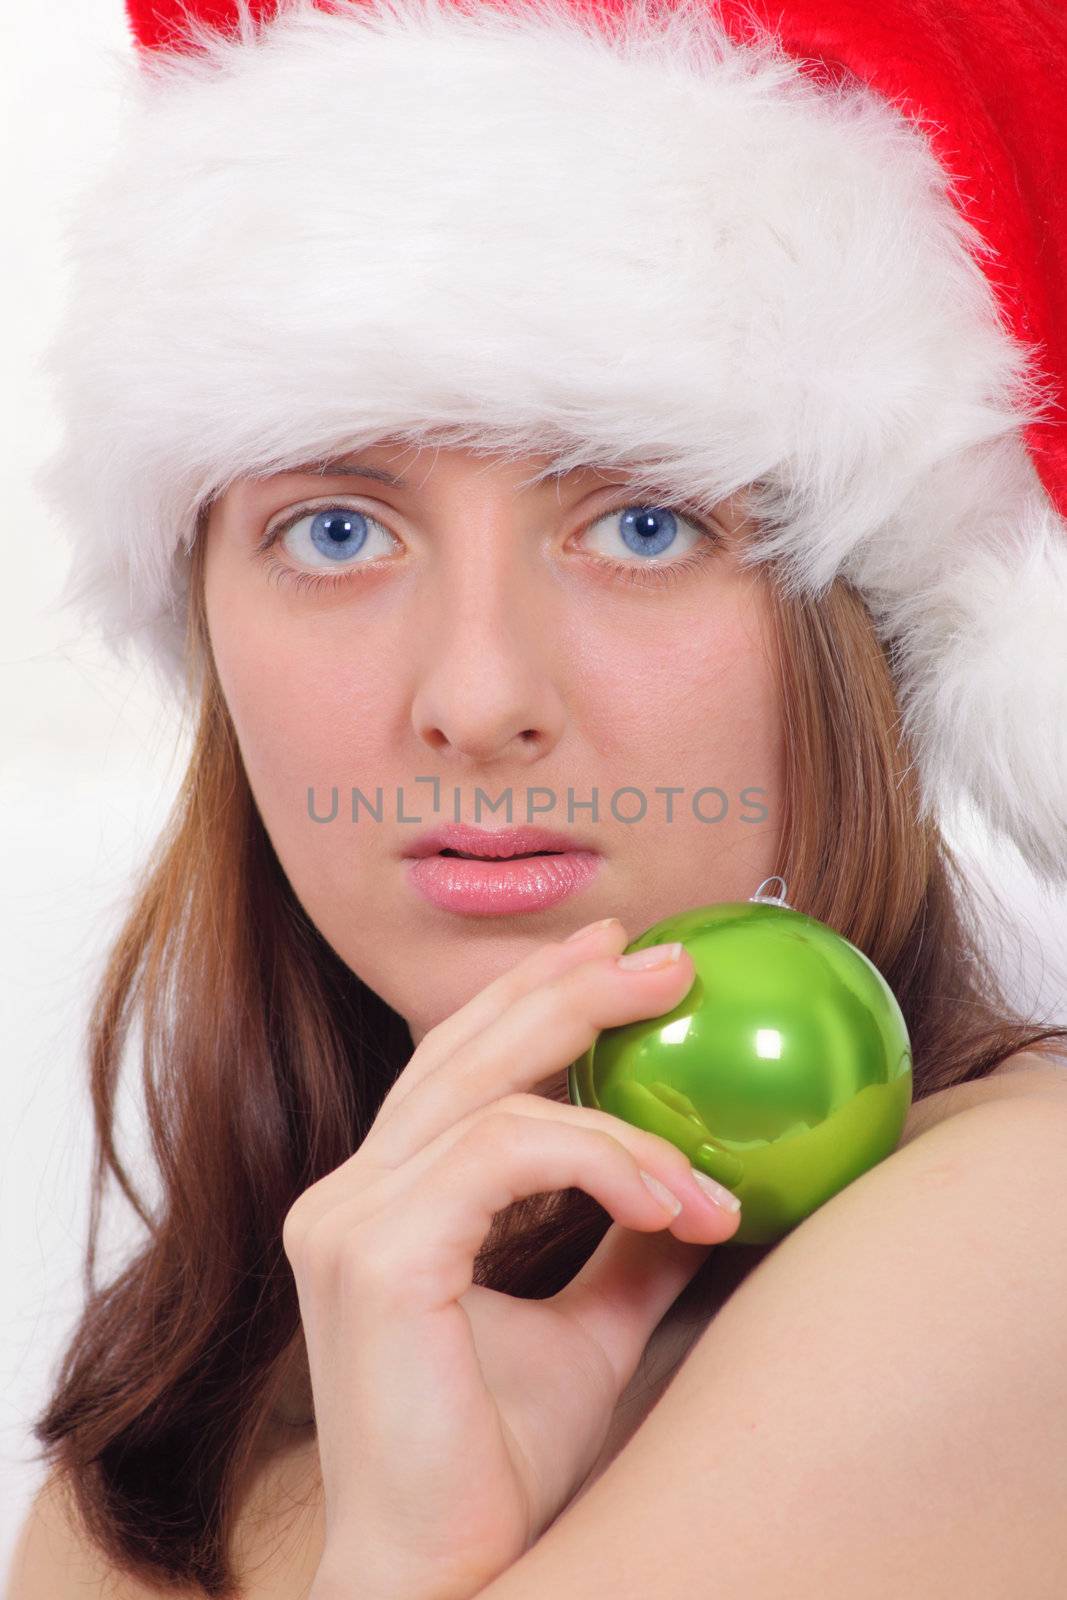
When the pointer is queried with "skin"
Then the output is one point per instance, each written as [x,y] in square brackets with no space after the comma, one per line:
[487,633]
[428,708]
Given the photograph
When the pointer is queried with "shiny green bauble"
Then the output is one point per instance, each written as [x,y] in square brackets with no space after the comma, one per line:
[785,1072]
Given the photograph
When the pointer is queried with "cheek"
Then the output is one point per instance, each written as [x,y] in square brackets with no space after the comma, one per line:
[306,713]
[695,698]
[305,718]
[692,705]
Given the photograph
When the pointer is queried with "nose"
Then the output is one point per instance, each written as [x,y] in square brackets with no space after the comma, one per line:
[487,689]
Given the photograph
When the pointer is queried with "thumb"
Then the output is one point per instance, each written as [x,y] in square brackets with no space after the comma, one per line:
[625,1288]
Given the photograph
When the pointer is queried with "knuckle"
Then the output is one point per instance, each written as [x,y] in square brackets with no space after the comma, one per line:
[295,1225]
[501,1130]
[676,1160]
[584,983]
[646,1146]
[520,1103]
[338,1256]
[389,1100]
[611,1146]
[315,1251]
[427,1044]
[367,1264]
[673,1157]
[577,989]
[511,1139]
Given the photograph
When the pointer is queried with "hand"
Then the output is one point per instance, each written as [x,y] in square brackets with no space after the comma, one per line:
[455,1422]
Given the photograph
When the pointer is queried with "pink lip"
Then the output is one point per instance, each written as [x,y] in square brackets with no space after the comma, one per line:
[498,887]
[490,841]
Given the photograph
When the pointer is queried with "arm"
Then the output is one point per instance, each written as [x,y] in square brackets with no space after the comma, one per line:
[879,1409]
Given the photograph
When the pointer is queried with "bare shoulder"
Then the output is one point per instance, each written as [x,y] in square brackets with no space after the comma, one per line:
[55,1560]
[276,1548]
[1028,1072]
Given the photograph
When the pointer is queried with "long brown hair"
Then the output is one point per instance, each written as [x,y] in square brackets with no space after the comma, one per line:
[264,1059]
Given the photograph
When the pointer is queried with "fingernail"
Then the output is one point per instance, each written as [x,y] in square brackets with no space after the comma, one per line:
[662,1193]
[590,927]
[715,1192]
[656,955]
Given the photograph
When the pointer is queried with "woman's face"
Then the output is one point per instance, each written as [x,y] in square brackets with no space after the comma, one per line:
[546,645]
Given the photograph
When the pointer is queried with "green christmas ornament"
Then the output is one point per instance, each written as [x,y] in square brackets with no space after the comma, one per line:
[785,1072]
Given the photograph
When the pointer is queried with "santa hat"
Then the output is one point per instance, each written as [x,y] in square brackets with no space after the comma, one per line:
[815,247]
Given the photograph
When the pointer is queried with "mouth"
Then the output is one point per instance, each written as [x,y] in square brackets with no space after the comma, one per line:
[461,841]
[477,873]
[519,855]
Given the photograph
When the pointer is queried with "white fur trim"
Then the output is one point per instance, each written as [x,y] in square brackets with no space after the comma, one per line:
[984,656]
[657,250]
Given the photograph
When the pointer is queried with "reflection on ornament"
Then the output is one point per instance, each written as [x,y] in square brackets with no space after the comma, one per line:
[785,1072]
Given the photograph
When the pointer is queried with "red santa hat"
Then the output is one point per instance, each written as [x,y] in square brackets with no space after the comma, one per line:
[814,247]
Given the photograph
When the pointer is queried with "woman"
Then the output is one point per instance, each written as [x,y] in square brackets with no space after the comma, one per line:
[675,453]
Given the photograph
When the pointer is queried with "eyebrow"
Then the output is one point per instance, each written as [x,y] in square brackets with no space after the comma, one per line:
[343,467]
[348,467]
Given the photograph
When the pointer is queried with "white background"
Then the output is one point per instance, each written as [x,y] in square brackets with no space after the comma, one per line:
[90,759]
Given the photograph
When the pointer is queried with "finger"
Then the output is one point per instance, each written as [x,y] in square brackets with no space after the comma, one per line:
[416,1254]
[538,1034]
[540,966]
[655,1155]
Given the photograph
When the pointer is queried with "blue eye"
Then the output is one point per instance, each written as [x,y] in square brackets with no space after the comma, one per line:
[336,533]
[645,531]
[327,541]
